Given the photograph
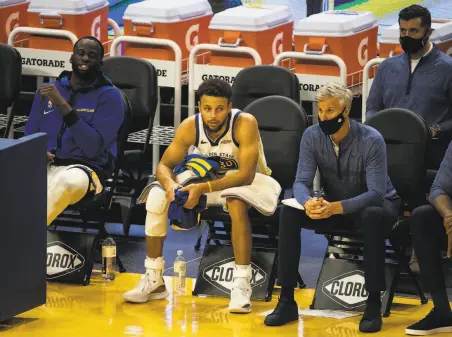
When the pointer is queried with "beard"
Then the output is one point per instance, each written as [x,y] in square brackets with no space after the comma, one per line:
[216,128]
[86,75]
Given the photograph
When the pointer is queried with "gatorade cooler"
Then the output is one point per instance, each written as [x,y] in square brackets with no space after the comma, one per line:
[182,21]
[265,28]
[13,13]
[352,36]
[441,36]
[81,17]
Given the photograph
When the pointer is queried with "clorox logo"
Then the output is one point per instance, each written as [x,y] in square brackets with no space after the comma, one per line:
[347,289]
[220,275]
[62,260]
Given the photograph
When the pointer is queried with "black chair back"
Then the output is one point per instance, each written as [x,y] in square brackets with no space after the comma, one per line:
[138,80]
[260,81]
[123,132]
[282,122]
[407,137]
[10,79]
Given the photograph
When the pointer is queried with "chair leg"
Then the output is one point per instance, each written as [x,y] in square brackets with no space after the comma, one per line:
[406,265]
[300,281]
[120,265]
[394,284]
[273,275]
[415,280]
[202,227]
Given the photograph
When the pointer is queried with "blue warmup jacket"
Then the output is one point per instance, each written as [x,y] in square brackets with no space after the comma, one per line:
[88,135]
[427,91]
[358,178]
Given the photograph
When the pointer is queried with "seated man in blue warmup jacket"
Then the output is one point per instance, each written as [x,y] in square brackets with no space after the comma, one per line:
[351,158]
[431,230]
[420,80]
[81,113]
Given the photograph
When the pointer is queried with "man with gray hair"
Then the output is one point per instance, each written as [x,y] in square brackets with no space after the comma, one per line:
[358,195]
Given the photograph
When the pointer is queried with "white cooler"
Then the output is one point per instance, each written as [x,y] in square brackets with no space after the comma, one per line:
[441,36]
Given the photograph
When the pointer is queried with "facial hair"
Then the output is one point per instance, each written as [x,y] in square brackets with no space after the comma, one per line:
[86,75]
[218,128]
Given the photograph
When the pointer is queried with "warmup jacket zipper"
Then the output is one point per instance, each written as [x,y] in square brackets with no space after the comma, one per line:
[64,126]
[410,74]
[338,163]
[338,159]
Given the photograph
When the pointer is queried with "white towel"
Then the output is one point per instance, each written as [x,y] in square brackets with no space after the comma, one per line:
[262,194]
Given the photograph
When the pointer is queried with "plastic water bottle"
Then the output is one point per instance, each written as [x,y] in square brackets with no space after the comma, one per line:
[180,271]
[108,259]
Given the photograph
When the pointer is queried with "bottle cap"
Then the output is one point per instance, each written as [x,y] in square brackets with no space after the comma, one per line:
[180,252]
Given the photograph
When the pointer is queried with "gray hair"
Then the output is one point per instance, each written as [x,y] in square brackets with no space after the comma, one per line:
[335,90]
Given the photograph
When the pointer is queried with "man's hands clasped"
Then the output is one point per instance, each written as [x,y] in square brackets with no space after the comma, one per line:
[319,208]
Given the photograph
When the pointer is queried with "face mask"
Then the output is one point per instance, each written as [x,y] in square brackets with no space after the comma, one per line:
[410,45]
[330,127]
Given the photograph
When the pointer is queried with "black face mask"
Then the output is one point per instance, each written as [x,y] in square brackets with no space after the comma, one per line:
[412,46]
[330,127]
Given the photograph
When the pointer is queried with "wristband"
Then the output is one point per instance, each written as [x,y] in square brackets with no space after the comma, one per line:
[210,186]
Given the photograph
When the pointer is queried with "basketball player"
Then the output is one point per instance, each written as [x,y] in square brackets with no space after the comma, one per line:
[232,138]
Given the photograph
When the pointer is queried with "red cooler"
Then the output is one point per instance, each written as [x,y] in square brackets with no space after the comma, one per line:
[182,21]
[441,36]
[265,28]
[350,35]
[13,13]
[81,17]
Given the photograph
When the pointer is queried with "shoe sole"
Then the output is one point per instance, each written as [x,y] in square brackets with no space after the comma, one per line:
[158,296]
[240,310]
[286,322]
[427,332]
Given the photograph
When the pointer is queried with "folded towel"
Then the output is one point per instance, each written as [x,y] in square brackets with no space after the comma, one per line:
[187,218]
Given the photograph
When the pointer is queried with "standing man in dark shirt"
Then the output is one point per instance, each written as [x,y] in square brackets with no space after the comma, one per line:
[420,80]
[351,158]
[431,230]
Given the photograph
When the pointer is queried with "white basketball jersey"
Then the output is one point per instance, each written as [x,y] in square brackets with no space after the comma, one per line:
[225,149]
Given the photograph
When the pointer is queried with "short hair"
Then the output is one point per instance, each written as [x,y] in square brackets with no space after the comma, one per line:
[335,90]
[416,11]
[92,38]
[215,87]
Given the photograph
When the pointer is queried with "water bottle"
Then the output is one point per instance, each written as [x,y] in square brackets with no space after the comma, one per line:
[180,270]
[108,259]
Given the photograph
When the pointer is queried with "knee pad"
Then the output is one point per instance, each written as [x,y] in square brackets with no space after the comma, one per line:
[157,213]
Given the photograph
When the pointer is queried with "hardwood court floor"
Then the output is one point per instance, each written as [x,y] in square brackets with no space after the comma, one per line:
[98,310]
